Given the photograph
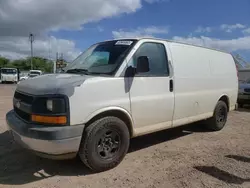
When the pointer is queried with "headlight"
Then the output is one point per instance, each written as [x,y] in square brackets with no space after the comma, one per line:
[49,105]
[50,110]
[52,106]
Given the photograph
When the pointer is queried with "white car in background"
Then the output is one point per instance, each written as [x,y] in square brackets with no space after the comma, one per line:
[34,73]
[24,76]
[30,74]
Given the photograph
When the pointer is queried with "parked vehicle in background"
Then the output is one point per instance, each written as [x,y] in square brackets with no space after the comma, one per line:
[120,89]
[34,73]
[244,74]
[30,74]
[24,76]
[9,75]
[244,93]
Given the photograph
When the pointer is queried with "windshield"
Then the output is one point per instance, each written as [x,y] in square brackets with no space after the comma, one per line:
[8,71]
[102,58]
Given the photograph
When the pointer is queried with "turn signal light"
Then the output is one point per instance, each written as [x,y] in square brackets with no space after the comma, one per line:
[49,119]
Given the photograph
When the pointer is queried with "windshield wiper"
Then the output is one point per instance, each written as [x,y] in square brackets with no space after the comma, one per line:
[84,71]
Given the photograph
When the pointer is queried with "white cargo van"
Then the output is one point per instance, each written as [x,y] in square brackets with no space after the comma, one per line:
[9,75]
[121,89]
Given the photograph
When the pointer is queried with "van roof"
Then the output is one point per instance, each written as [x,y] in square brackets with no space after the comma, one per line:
[172,41]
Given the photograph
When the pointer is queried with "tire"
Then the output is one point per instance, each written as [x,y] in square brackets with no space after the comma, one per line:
[104,144]
[219,119]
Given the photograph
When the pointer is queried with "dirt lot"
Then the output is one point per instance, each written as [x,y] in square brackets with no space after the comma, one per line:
[183,157]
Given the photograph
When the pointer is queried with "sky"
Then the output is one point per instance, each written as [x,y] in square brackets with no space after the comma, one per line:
[71,26]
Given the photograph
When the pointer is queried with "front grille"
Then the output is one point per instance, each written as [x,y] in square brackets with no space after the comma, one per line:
[26,99]
[247,90]
[25,116]
[22,97]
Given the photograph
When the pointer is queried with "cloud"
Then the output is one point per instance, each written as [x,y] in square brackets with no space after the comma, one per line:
[230,28]
[203,29]
[20,17]
[140,32]
[226,45]
[230,45]
[100,29]
[246,31]
[154,1]
[19,47]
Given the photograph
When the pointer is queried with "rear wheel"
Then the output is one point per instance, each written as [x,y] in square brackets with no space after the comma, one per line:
[104,144]
[219,119]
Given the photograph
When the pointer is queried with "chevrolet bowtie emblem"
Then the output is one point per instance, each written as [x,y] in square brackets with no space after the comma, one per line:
[18,104]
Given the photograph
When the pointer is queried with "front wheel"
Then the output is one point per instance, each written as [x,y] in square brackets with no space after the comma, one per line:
[219,119]
[104,144]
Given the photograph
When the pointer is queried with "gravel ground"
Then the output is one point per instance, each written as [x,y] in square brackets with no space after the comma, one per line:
[183,157]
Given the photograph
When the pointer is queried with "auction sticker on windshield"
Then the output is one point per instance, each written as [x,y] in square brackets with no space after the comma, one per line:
[123,42]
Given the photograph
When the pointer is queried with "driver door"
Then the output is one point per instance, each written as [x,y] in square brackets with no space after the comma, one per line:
[151,95]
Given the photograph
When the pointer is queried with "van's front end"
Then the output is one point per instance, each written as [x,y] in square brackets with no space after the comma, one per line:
[40,119]
[50,111]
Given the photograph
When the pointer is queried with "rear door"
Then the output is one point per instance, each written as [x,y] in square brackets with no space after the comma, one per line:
[151,93]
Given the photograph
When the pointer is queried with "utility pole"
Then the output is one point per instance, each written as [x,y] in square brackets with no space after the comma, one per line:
[55,64]
[31,38]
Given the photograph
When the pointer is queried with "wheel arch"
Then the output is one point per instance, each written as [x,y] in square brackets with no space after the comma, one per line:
[118,112]
[225,99]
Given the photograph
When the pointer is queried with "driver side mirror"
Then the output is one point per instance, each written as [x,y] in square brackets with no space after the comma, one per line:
[142,64]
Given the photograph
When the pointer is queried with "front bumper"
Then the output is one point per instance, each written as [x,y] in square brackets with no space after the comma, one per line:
[48,142]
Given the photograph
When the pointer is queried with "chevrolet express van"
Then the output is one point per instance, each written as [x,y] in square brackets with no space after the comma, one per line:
[120,89]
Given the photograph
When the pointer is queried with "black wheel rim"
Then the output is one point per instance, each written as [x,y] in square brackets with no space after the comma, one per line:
[221,115]
[108,144]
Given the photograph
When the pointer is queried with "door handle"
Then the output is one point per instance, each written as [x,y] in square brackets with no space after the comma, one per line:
[171,85]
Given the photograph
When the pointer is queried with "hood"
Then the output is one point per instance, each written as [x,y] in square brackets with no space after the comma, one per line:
[52,84]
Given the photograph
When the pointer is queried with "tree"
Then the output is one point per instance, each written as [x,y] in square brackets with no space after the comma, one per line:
[42,64]
[24,64]
[4,61]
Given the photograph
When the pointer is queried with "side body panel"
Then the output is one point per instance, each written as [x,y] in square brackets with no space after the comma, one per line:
[201,77]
